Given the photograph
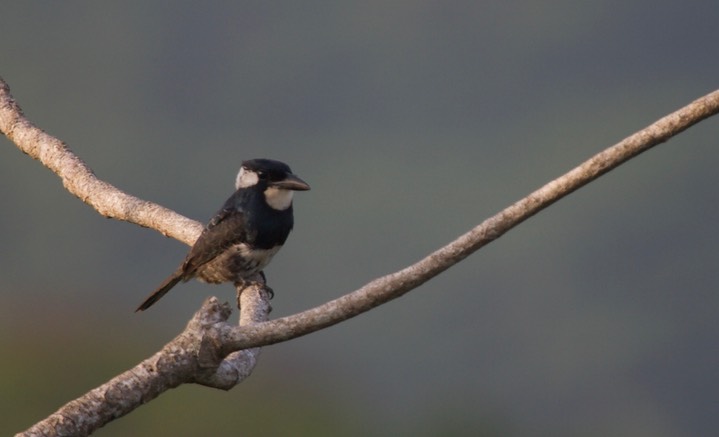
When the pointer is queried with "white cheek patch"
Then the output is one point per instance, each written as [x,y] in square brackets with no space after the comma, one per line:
[246,178]
[278,198]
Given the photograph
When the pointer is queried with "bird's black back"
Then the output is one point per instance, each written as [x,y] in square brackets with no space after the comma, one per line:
[244,218]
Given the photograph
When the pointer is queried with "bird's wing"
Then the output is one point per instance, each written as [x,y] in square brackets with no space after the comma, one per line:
[224,230]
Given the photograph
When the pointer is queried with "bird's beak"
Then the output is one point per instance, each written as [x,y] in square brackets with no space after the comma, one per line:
[292,182]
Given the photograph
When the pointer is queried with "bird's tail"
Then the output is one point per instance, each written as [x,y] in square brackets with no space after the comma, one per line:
[161,291]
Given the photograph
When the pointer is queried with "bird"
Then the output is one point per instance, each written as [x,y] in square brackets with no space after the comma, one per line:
[243,236]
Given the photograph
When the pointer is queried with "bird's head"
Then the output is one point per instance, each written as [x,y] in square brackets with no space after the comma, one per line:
[274,178]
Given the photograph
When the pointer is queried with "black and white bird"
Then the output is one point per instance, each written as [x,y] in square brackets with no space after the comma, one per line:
[241,239]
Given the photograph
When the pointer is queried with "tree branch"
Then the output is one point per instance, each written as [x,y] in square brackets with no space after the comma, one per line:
[80,180]
[213,352]
[394,285]
[189,358]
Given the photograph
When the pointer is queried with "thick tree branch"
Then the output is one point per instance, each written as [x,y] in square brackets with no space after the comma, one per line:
[181,361]
[197,354]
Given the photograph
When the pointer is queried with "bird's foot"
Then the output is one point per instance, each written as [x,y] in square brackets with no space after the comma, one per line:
[258,280]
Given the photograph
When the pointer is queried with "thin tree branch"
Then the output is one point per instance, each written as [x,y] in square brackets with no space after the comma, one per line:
[394,285]
[80,180]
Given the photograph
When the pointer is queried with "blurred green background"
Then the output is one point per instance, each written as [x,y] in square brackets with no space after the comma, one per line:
[412,121]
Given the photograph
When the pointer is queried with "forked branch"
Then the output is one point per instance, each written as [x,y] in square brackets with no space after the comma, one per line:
[211,342]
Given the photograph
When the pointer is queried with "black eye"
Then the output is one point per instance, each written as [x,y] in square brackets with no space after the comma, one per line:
[262,175]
